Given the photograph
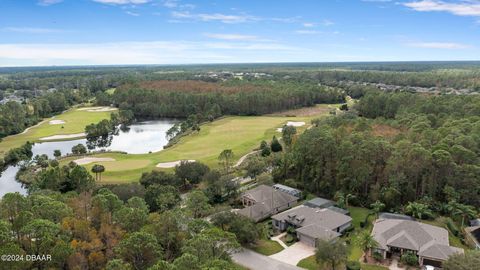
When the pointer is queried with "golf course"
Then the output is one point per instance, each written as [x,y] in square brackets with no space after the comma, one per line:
[66,126]
[242,134]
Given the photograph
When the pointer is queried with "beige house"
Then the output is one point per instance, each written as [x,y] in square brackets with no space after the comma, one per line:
[429,243]
[312,224]
[264,201]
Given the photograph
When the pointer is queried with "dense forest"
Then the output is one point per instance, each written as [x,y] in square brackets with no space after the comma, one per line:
[180,99]
[120,227]
[406,148]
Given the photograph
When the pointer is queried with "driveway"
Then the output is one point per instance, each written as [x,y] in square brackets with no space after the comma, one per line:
[255,261]
[294,253]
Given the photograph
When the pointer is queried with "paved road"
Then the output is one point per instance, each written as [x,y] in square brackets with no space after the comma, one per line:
[255,261]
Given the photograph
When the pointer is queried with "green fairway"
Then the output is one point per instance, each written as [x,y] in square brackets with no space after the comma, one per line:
[242,134]
[75,122]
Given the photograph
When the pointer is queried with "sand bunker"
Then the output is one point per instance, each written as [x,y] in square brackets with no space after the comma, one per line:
[97,109]
[171,164]
[56,122]
[88,160]
[63,137]
[293,124]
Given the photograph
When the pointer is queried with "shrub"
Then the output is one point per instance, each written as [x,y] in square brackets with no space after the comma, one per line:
[353,265]
[289,238]
[452,227]
[377,256]
[409,258]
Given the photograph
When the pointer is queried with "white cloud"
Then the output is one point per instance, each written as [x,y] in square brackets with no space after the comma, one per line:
[31,30]
[131,13]
[49,2]
[308,24]
[377,1]
[439,45]
[155,52]
[461,8]
[231,37]
[173,4]
[122,2]
[206,17]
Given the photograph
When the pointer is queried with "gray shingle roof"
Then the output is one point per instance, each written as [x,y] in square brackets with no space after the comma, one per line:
[263,195]
[319,202]
[303,216]
[429,241]
[318,232]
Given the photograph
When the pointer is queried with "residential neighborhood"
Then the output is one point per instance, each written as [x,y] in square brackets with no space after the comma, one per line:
[318,219]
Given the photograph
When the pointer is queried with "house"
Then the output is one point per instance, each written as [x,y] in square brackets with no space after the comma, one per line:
[312,224]
[429,243]
[264,201]
[292,191]
[319,203]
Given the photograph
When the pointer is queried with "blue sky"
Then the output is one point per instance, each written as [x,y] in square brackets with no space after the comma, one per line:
[96,32]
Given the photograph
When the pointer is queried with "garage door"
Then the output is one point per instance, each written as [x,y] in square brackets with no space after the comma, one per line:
[306,240]
[432,263]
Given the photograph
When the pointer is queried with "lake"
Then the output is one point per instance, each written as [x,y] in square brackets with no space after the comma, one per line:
[138,138]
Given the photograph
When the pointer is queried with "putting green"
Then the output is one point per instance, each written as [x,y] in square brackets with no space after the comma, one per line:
[75,122]
[242,134]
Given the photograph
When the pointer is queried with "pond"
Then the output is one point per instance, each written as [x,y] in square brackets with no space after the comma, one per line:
[138,138]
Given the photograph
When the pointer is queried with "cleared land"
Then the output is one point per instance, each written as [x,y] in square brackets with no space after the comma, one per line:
[75,122]
[242,134]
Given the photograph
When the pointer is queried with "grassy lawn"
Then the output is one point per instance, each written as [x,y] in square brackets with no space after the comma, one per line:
[242,134]
[266,247]
[373,267]
[358,215]
[309,263]
[75,122]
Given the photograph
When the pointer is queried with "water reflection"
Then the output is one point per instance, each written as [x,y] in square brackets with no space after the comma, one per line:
[139,138]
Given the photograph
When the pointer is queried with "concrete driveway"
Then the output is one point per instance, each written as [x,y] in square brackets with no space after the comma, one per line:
[294,253]
[255,261]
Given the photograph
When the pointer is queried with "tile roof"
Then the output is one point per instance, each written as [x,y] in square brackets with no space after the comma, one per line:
[429,241]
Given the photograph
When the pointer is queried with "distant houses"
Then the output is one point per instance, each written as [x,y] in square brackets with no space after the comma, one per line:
[397,236]
[312,224]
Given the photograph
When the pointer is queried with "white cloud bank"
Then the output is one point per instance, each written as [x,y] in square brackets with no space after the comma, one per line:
[460,8]
[155,52]
[439,45]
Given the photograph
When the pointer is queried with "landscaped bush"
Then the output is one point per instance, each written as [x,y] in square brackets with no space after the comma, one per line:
[377,256]
[289,239]
[409,258]
[353,265]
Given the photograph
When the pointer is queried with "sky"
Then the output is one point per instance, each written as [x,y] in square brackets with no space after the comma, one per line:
[120,32]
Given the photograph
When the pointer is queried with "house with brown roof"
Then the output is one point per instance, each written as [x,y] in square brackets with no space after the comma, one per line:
[312,224]
[429,243]
[264,201]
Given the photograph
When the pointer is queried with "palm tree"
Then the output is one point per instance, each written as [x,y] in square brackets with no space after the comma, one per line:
[225,158]
[465,212]
[98,169]
[377,207]
[366,242]
[343,199]
[418,210]
[348,197]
